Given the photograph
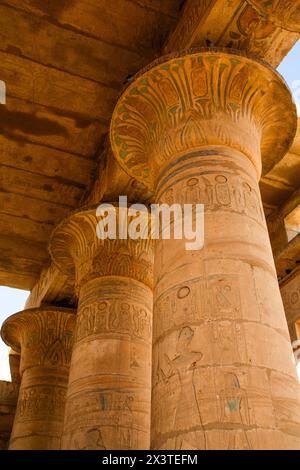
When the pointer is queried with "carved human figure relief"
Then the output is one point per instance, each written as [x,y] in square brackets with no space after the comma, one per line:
[235,409]
[187,412]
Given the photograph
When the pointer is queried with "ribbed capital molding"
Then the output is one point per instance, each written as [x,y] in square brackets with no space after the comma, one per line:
[43,336]
[198,99]
[77,251]
[284,13]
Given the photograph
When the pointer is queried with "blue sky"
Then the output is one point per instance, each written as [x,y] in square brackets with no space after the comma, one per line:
[13,300]
[290,70]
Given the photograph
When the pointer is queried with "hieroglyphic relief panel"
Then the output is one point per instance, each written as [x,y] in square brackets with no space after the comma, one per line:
[217,191]
[121,309]
[41,403]
[209,364]
[290,292]
[108,403]
[238,398]
[196,301]
[45,336]
[201,400]
[268,29]
[250,31]
[109,316]
[117,416]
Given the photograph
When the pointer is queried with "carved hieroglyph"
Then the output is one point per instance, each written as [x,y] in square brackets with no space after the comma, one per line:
[196,128]
[8,401]
[284,13]
[44,337]
[108,399]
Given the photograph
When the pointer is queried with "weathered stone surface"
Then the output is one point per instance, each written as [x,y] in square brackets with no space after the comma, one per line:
[108,398]
[184,107]
[290,291]
[45,339]
[241,24]
[204,127]
[285,14]
[8,402]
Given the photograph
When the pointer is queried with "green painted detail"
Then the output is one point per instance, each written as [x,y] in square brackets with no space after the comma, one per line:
[134,91]
[234,106]
[165,67]
[212,58]
[234,405]
[103,402]
[235,61]
[173,110]
[269,4]
[123,154]
[144,90]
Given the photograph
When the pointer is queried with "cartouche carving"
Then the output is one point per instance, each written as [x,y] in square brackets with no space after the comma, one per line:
[77,251]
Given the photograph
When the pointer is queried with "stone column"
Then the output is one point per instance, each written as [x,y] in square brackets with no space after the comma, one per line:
[199,128]
[44,337]
[290,292]
[283,13]
[108,399]
[14,365]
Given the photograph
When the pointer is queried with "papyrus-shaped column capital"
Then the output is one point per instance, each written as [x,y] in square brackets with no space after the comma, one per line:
[197,99]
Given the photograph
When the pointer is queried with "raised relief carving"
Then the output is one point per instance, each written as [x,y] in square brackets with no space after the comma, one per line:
[184,365]
[45,336]
[41,403]
[184,106]
[284,13]
[200,299]
[114,316]
[234,408]
[89,440]
[218,192]
[116,415]
[251,31]
[76,250]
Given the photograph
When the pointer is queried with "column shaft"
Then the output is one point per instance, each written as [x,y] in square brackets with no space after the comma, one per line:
[108,404]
